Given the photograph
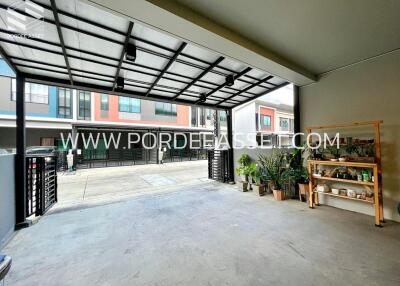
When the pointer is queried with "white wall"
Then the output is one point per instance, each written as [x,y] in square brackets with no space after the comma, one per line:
[366,91]
[244,123]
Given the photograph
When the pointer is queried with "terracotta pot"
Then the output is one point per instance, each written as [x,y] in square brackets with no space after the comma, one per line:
[259,189]
[243,186]
[279,195]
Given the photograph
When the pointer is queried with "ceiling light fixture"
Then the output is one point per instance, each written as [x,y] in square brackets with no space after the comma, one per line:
[131,52]
[230,80]
[120,82]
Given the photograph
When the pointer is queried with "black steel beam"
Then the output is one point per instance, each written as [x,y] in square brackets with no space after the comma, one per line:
[203,73]
[110,29]
[4,7]
[257,83]
[166,67]
[229,119]
[106,76]
[104,89]
[261,94]
[103,63]
[20,161]
[107,28]
[60,36]
[121,58]
[246,70]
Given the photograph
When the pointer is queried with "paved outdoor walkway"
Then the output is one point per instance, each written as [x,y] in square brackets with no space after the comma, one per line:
[103,185]
[196,232]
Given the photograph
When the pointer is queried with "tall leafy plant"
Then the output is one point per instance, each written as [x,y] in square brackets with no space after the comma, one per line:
[274,168]
[244,163]
[296,170]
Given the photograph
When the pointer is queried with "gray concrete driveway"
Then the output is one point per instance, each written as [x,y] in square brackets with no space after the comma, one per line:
[196,232]
[103,185]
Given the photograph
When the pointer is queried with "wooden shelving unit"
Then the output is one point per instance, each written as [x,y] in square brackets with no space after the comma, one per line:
[375,186]
[343,180]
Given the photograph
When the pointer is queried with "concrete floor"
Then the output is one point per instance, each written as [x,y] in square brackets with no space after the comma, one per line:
[202,233]
[102,185]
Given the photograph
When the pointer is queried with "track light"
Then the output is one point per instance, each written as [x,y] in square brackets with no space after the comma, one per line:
[203,98]
[230,80]
[131,52]
[120,82]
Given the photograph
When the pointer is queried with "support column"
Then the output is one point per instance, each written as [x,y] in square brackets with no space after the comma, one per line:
[20,158]
[296,111]
[74,132]
[216,126]
[229,119]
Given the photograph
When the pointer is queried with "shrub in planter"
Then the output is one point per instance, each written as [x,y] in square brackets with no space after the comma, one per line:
[298,173]
[243,186]
[256,176]
[275,171]
[242,170]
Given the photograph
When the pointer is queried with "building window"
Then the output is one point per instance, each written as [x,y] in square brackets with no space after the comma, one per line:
[84,105]
[34,93]
[266,121]
[202,117]
[104,102]
[194,116]
[284,124]
[64,103]
[128,104]
[209,114]
[222,116]
[163,108]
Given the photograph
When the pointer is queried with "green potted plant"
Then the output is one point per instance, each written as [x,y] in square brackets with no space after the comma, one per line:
[256,176]
[301,177]
[297,172]
[244,161]
[274,167]
[334,152]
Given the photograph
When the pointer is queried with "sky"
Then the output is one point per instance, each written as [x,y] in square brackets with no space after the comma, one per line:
[283,95]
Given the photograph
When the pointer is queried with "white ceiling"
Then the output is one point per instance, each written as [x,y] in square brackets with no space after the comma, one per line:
[316,35]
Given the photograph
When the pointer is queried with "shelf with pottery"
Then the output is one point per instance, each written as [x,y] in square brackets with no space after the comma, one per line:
[344,197]
[373,184]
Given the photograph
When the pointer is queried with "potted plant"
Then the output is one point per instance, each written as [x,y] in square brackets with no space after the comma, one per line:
[275,171]
[256,176]
[244,161]
[298,173]
[334,152]
[244,172]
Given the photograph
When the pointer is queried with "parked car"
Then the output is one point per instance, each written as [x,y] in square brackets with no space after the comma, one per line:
[41,150]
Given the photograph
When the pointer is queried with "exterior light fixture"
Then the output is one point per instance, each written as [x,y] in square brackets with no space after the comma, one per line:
[120,82]
[131,52]
[203,98]
[230,80]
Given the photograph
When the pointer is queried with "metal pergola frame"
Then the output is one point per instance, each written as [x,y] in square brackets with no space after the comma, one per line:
[178,56]
[127,65]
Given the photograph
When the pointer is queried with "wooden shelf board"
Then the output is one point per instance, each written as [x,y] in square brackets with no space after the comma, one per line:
[343,164]
[344,181]
[351,125]
[344,197]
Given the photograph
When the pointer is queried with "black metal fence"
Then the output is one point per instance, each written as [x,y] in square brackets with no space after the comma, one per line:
[219,165]
[41,184]
[138,156]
